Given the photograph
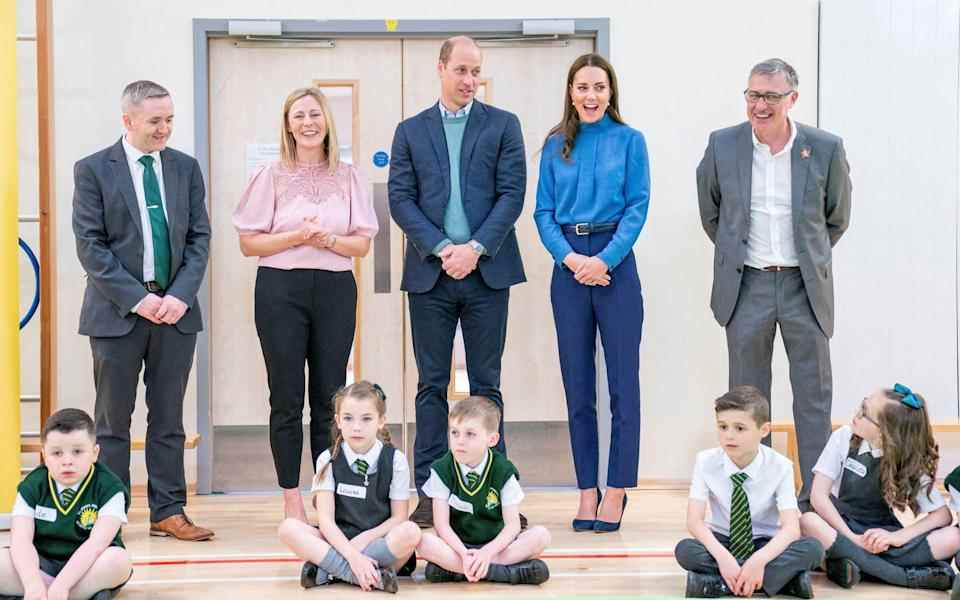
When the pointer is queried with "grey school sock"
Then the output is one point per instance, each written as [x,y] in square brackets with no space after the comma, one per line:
[380,552]
[339,567]
[869,563]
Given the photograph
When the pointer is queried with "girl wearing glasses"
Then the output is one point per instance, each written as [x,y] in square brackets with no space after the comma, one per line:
[885,460]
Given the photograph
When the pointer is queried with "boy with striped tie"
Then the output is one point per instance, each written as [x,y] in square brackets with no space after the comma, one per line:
[476,507]
[751,540]
[65,535]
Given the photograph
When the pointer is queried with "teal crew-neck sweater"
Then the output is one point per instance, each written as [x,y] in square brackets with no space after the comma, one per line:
[455,224]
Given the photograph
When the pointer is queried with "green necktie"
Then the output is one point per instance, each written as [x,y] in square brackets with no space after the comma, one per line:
[741,526]
[158,223]
[66,497]
[361,465]
[472,480]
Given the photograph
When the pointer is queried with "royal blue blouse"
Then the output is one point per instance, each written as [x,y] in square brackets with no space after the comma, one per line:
[606,180]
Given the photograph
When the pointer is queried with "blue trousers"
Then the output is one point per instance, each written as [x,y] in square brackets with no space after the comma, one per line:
[617,310]
[482,314]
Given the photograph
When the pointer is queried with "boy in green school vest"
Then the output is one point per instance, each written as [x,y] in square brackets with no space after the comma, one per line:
[476,507]
[65,536]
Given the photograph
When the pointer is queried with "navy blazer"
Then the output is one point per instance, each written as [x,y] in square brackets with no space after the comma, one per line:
[106,223]
[493,181]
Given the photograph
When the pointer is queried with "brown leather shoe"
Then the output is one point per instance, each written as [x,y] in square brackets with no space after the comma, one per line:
[181,527]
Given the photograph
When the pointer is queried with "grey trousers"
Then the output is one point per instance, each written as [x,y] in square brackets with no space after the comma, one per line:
[165,355]
[802,555]
[769,299]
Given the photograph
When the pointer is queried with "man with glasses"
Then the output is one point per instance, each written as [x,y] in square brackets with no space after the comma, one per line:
[774,199]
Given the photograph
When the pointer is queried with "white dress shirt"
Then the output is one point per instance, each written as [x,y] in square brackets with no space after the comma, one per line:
[833,464]
[769,488]
[399,485]
[136,172]
[770,240]
[510,495]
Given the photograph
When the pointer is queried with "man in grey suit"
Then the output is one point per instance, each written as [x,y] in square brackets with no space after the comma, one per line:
[143,237]
[774,199]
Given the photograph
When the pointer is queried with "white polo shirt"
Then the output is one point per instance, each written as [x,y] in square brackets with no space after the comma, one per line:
[510,495]
[769,488]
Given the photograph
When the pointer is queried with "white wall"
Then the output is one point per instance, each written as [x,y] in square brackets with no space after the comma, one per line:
[681,64]
[889,87]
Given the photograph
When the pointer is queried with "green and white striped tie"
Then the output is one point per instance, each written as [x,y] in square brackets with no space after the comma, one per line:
[472,480]
[361,465]
[67,496]
[741,526]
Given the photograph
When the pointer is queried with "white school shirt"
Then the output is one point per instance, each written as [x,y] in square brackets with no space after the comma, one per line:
[770,240]
[115,506]
[954,498]
[399,485]
[511,494]
[769,488]
[136,173]
[833,464]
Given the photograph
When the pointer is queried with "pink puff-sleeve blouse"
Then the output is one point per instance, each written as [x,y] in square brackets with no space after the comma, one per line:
[278,198]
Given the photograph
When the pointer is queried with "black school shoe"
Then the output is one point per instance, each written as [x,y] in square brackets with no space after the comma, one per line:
[938,576]
[528,572]
[423,515]
[843,572]
[799,587]
[308,576]
[388,579]
[702,585]
[434,573]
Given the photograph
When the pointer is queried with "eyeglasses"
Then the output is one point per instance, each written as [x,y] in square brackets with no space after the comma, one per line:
[862,413]
[771,98]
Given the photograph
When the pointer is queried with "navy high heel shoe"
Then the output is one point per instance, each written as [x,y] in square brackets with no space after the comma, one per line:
[607,527]
[587,524]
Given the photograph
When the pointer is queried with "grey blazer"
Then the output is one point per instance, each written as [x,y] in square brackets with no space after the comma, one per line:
[106,223]
[821,212]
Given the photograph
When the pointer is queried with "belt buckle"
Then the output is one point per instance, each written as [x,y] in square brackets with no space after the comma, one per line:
[585,228]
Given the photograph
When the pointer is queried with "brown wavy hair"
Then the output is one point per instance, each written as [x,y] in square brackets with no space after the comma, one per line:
[570,124]
[361,390]
[909,451]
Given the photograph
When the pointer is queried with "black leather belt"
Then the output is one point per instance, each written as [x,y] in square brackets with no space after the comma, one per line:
[588,228]
[153,287]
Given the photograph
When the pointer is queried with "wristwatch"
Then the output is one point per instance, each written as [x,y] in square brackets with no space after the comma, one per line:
[477,247]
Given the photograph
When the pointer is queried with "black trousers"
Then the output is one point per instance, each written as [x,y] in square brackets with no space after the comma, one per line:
[482,314]
[802,555]
[166,356]
[304,317]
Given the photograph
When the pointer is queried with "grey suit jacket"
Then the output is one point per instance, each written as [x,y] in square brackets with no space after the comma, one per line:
[821,212]
[106,223]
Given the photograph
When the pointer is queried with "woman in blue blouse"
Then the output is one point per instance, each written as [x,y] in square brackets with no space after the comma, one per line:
[591,205]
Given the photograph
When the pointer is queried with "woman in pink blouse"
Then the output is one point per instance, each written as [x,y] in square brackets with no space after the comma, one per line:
[306,217]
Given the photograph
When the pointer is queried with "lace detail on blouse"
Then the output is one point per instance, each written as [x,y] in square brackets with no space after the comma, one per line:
[311,182]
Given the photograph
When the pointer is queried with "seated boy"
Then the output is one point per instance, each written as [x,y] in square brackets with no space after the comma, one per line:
[952,483]
[476,507]
[65,535]
[752,538]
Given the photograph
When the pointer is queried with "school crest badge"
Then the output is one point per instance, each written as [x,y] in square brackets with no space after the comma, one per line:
[493,499]
[87,516]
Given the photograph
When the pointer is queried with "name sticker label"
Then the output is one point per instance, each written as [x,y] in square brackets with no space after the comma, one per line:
[352,491]
[45,514]
[458,504]
[856,466]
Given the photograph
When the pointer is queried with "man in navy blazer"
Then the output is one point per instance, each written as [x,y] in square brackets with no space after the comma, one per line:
[456,186]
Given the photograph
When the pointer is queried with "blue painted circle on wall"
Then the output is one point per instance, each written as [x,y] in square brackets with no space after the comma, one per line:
[381,158]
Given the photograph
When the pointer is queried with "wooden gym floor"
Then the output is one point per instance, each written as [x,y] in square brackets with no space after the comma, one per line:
[246,560]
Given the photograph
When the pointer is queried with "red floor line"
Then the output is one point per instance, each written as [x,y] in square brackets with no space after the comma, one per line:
[234,561]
